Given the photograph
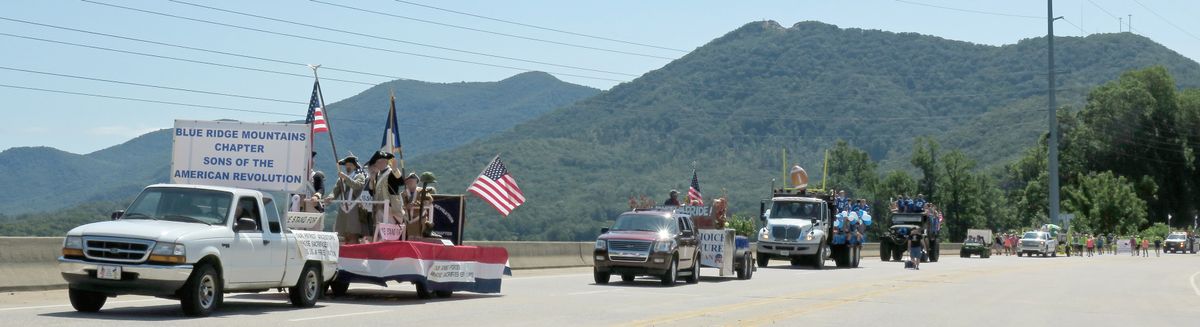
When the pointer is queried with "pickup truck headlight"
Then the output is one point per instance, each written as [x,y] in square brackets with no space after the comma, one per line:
[72,246]
[168,253]
[601,244]
[664,246]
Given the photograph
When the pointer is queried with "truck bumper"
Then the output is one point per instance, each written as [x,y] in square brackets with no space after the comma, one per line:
[786,249]
[139,279]
[656,264]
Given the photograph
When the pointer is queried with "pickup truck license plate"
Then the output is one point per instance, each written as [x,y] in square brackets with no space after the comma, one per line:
[109,272]
[784,253]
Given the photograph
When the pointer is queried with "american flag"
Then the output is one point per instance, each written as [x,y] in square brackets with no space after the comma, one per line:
[316,114]
[496,186]
[694,190]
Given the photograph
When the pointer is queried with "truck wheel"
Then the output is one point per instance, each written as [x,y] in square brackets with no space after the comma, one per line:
[1054,254]
[602,277]
[339,288]
[841,256]
[857,257]
[1019,254]
[86,301]
[669,278]
[963,254]
[202,292]
[884,251]
[797,261]
[742,271]
[934,251]
[763,259]
[443,294]
[304,294]
[695,277]
[819,259]
[897,254]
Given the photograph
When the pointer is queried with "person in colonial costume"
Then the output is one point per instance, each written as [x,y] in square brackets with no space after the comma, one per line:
[384,184]
[352,221]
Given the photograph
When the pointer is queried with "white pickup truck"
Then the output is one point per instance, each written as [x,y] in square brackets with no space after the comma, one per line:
[192,243]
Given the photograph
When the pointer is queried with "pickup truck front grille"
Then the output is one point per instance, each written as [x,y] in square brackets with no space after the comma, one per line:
[785,233]
[116,249]
[1031,243]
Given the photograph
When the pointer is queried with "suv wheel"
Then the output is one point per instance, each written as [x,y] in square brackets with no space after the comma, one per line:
[86,301]
[669,278]
[695,277]
[763,259]
[202,292]
[304,294]
[602,277]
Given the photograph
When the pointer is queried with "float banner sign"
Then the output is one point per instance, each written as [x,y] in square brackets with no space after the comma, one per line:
[318,245]
[449,217]
[716,249]
[311,221]
[262,156]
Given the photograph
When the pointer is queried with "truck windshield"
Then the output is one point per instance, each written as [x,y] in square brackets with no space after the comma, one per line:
[1176,237]
[1031,236]
[796,210]
[181,204]
[645,223]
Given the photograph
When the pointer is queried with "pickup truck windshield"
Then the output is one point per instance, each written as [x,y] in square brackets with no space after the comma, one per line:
[1031,236]
[798,210]
[645,223]
[181,204]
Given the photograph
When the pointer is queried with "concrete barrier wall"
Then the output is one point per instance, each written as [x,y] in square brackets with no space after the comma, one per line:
[28,263]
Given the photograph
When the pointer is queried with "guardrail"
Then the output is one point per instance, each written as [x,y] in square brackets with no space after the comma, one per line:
[29,263]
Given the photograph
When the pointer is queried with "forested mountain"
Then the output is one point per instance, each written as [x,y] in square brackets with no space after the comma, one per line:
[433,117]
[733,104]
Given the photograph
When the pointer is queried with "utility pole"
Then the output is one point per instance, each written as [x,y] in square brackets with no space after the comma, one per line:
[1129,23]
[1120,24]
[1052,146]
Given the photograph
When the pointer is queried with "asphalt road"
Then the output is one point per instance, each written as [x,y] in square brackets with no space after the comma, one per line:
[1000,291]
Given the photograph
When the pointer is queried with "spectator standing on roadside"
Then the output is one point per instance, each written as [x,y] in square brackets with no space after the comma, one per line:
[1134,246]
[1091,245]
[1145,247]
[1100,244]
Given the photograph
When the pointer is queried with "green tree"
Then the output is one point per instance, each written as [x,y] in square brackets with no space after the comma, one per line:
[959,194]
[1105,203]
[925,158]
[852,169]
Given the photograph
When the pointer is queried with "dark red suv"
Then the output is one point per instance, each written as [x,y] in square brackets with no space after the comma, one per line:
[648,243]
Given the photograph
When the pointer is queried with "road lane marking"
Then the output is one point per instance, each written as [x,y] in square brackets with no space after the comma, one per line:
[340,315]
[67,305]
[1193,281]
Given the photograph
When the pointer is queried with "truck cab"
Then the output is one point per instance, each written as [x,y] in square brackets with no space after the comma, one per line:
[648,242]
[191,243]
[795,227]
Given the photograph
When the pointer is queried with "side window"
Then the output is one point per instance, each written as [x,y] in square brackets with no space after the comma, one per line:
[248,208]
[272,215]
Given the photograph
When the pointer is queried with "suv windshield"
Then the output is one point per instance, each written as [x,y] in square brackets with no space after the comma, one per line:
[181,204]
[794,209]
[1031,236]
[645,223]
[1176,237]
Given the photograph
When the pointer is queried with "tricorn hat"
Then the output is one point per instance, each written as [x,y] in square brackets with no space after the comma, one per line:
[412,176]
[379,155]
[349,159]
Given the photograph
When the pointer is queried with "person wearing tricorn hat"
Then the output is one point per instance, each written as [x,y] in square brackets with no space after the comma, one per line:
[301,202]
[384,184]
[352,221]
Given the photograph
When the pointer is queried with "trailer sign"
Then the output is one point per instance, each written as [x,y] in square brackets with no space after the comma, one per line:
[716,249]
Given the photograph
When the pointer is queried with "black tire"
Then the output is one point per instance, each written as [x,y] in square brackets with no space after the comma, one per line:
[695,277]
[339,288]
[763,259]
[202,293]
[884,251]
[935,251]
[818,261]
[423,291]
[443,294]
[1018,254]
[743,271]
[1054,254]
[838,254]
[672,274]
[601,278]
[307,289]
[797,261]
[856,256]
[86,301]
[897,254]
[627,278]
[963,254]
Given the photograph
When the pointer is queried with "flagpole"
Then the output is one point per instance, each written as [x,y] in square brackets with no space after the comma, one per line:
[396,129]
[325,110]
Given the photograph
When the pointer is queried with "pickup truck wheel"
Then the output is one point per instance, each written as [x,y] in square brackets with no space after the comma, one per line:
[202,292]
[668,278]
[763,259]
[304,294]
[85,301]
[339,288]
[602,277]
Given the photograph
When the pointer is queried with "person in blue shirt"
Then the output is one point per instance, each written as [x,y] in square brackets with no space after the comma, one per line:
[841,202]
[918,205]
[909,205]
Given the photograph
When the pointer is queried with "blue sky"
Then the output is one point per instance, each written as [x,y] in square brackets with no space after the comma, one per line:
[84,124]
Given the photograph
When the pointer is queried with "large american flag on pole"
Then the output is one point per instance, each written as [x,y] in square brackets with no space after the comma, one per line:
[316,114]
[496,186]
[694,190]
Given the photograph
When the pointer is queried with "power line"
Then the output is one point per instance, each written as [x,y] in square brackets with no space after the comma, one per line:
[493,32]
[969,10]
[148,85]
[402,41]
[1167,20]
[143,100]
[194,48]
[539,27]
[1110,14]
[180,59]
[342,43]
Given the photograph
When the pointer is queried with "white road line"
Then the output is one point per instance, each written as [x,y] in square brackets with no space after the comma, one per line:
[1193,281]
[67,305]
[341,315]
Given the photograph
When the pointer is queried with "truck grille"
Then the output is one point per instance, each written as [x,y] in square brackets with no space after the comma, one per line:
[785,233]
[1031,243]
[116,249]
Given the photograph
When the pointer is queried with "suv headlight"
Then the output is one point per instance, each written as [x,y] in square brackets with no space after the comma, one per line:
[664,246]
[601,244]
[168,253]
[72,246]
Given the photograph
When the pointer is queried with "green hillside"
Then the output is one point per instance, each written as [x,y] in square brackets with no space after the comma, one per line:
[731,105]
[433,117]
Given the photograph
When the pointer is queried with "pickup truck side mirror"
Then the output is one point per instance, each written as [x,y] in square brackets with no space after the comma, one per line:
[117,214]
[603,230]
[246,225]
